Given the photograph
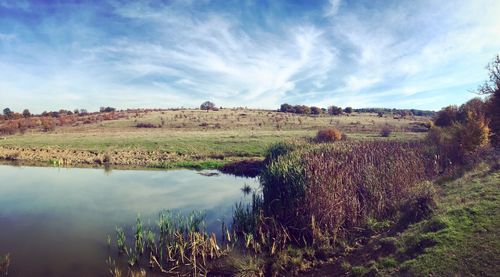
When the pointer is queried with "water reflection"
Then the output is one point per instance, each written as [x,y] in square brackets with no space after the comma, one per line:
[54,221]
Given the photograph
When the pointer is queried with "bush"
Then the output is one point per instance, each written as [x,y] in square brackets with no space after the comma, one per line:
[446,116]
[385,131]
[328,135]
[454,143]
[48,124]
[145,125]
[9,128]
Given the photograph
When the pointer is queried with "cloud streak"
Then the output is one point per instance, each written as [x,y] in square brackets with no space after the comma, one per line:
[258,54]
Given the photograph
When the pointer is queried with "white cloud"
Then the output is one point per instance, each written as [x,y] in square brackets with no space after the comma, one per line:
[332,8]
[419,45]
[221,61]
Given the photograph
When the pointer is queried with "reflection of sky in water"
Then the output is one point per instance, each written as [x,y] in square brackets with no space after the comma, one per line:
[49,213]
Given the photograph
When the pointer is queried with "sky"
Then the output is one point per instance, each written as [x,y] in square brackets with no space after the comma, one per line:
[422,54]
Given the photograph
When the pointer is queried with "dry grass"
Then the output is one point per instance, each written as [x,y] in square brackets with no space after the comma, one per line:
[192,135]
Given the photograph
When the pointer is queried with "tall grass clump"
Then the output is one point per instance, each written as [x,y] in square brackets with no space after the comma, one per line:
[177,245]
[280,149]
[338,187]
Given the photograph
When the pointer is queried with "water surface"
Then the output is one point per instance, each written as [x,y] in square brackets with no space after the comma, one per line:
[55,221]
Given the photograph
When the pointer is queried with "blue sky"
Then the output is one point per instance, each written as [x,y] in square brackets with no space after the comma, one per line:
[85,54]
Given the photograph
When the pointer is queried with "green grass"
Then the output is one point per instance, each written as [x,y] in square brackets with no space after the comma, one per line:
[462,238]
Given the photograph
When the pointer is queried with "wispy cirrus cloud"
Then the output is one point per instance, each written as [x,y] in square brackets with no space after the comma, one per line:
[418,54]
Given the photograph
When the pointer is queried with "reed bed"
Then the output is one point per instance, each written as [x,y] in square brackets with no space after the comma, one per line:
[339,186]
[177,245]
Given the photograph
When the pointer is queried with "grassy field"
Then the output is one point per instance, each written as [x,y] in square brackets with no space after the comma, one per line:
[188,135]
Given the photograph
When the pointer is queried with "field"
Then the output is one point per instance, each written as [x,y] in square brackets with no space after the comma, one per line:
[187,137]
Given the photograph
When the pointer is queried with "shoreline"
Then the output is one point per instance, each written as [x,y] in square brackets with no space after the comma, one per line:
[114,159]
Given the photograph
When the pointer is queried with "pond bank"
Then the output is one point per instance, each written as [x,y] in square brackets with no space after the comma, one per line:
[123,158]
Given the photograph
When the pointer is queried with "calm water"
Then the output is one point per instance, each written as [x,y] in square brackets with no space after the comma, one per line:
[55,221]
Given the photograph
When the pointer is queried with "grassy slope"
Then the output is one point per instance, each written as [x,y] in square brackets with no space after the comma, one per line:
[460,239]
[242,130]
[228,133]
[469,241]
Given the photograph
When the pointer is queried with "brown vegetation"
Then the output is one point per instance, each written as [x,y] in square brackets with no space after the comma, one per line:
[328,135]
[342,185]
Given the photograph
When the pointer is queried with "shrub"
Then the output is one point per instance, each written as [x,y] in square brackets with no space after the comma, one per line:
[48,124]
[454,143]
[328,135]
[446,116]
[385,131]
[9,128]
[475,132]
[145,125]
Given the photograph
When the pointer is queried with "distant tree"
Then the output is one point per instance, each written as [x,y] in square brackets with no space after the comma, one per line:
[301,109]
[7,113]
[207,105]
[334,110]
[286,108]
[26,113]
[83,112]
[76,111]
[316,110]
[107,109]
[348,110]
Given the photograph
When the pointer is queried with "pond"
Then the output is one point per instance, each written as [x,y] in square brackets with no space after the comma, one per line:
[55,221]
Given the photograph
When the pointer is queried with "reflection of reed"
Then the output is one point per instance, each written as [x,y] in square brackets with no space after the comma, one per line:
[4,264]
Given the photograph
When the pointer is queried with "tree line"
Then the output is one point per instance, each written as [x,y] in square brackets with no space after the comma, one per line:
[10,114]
[335,110]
